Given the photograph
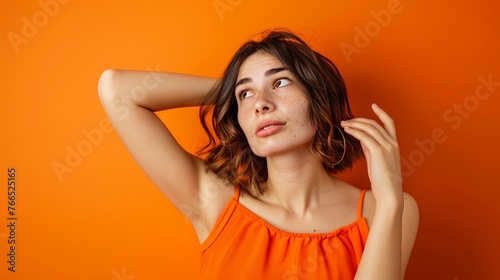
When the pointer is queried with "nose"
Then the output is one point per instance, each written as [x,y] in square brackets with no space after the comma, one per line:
[264,103]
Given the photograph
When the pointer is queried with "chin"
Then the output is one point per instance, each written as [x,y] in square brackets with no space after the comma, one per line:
[264,152]
[274,150]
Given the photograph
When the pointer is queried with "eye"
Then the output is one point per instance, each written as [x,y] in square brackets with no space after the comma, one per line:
[245,94]
[282,82]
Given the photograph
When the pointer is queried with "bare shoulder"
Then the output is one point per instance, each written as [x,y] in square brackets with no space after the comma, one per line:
[409,228]
[411,218]
[409,222]
[410,210]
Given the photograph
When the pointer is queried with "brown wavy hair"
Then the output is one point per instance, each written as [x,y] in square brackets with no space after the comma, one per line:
[228,152]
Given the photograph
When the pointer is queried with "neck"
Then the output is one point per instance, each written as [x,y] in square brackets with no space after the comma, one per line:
[296,182]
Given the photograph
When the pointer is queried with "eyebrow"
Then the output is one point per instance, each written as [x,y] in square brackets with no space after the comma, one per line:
[268,73]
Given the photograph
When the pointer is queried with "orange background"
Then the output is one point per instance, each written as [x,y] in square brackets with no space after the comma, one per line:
[99,217]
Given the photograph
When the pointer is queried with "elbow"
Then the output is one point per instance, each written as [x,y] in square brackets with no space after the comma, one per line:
[107,86]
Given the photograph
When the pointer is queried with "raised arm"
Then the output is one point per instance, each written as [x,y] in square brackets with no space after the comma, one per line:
[393,226]
[130,99]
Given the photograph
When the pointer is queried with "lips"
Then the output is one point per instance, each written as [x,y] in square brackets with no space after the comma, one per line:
[269,127]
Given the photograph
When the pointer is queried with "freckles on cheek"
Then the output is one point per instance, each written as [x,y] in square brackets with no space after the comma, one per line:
[242,120]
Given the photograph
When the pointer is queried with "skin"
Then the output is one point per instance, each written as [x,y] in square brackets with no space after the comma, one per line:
[301,196]
[274,96]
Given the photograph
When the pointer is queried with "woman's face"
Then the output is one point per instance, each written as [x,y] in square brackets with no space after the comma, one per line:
[273,110]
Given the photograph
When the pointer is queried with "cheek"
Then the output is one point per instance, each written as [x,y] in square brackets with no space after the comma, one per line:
[302,110]
[305,120]
[243,120]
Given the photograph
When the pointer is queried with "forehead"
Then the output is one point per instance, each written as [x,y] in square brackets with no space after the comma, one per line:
[258,63]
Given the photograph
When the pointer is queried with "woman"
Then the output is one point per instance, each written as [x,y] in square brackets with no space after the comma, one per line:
[265,203]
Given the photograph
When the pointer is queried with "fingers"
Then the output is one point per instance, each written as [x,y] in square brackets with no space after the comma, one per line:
[366,132]
[370,132]
[366,140]
[386,120]
[372,128]
[381,150]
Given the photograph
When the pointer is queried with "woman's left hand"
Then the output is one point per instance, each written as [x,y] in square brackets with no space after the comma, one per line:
[381,151]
